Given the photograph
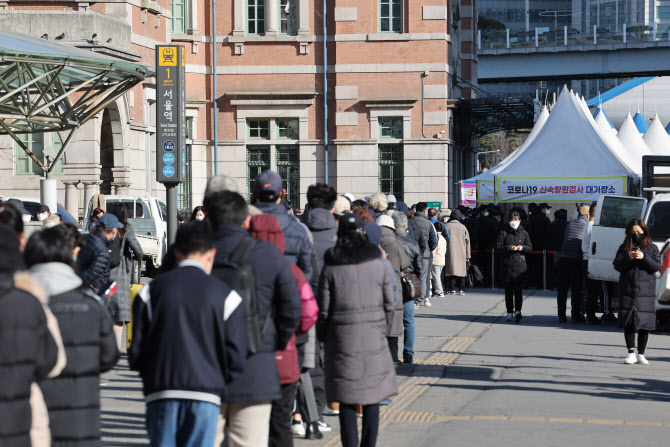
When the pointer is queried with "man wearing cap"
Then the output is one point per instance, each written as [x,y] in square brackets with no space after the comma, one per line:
[570,270]
[43,212]
[93,259]
[267,194]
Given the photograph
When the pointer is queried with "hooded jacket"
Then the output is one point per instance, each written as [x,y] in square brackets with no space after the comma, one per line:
[73,398]
[321,223]
[94,260]
[298,246]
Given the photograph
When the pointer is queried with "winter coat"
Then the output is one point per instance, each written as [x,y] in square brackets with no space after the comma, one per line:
[119,305]
[572,244]
[30,353]
[403,208]
[472,224]
[428,237]
[515,269]
[458,249]
[541,235]
[73,398]
[275,292]
[93,260]
[356,307]
[637,287]
[400,261]
[557,234]
[440,251]
[413,251]
[299,249]
[322,225]
[488,232]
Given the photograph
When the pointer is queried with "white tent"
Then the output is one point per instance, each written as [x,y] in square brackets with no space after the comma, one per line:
[657,138]
[608,134]
[602,121]
[485,180]
[568,161]
[630,137]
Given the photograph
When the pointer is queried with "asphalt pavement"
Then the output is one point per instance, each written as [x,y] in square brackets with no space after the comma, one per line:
[480,380]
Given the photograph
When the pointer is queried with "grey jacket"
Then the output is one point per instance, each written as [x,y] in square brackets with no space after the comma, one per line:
[400,262]
[356,307]
[572,244]
[413,252]
[428,238]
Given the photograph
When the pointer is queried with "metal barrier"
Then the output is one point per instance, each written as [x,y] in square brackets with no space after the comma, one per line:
[544,254]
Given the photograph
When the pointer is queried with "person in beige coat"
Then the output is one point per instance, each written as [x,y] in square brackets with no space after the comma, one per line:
[458,254]
[438,261]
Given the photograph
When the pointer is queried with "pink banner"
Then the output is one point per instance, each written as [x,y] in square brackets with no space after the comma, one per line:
[469,193]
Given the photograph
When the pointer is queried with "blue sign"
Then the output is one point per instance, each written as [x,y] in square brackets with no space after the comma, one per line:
[168,171]
[168,158]
[168,145]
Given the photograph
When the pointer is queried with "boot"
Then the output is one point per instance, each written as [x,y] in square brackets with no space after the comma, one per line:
[313,431]
[407,358]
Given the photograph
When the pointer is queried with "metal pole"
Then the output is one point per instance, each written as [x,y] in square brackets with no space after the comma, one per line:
[480,42]
[565,35]
[493,268]
[325,93]
[595,35]
[171,192]
[537,39]
[214,92]
[624,33]
[544,268]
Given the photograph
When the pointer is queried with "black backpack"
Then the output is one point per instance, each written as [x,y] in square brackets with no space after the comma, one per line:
[239,276]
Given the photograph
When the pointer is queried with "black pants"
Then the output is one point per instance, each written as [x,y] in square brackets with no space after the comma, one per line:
[484,263]
[349,427]
[280,417]
[457,281]
[513,296]
[642,339]
[570,278]
[393,347]
[595,290]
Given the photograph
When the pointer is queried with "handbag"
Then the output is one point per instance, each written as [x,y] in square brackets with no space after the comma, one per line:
[474,275]
[411,286]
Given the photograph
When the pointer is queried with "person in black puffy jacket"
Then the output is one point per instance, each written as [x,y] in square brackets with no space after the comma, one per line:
[94,258]
[72,398]
[514,243]
[31,352]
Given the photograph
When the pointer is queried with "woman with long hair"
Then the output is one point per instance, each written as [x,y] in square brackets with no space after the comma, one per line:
[637,261]
[197,214]
[356,308]
[119,305]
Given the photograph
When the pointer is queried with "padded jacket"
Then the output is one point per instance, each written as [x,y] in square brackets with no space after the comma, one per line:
[637,287]
[324,233]
[93,260]
[515,269]
[427,237]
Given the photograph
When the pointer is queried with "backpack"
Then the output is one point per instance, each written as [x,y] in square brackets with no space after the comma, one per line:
[239,276]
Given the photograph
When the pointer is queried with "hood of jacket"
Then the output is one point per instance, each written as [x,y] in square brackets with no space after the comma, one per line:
[402,207]
[275,209]
[55,277]
[318,219]
[266,228]
[387,234]
[346,254]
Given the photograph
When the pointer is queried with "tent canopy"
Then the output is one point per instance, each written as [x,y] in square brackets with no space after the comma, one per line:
[657,138]
[640,123]
[601,115]
[631,138]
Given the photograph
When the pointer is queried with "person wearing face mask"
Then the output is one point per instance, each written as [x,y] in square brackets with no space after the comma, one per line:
[198,214]
[637,261]
[43,212]
[94,259]
[570,271]
[514,243]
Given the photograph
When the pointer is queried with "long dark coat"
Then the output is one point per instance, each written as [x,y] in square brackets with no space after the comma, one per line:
[515,269]
[396,255]
[356,307]
[637,287]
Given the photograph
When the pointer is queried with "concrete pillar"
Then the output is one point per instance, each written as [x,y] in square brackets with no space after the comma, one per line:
[271,17]
[303,17]
[90,189]
[72,198]
[238,18]
[121,188]
[49,193]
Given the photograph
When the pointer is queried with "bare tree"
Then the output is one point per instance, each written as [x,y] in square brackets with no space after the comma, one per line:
[503,141]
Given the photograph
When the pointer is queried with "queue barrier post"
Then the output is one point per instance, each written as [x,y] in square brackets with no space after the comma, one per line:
[493,269]
[544,269]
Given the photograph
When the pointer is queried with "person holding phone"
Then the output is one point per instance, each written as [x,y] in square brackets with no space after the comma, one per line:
[514,243]
[637,261]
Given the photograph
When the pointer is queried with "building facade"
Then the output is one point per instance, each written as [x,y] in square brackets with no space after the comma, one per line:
[394,70]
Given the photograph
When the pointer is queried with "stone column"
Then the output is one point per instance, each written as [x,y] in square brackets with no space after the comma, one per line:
[271,17]
[120,188]
[238,18]
[193,17]
[90,189]
[72,198]
[303,17]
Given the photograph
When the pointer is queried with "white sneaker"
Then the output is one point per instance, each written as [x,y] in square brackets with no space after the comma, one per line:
[298,429]
[330,412]
[323,427]
[642,360]
[630,359]
[427,303]
[510,317]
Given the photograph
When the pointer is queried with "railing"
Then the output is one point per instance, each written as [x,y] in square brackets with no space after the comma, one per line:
[567,36]
[533,254]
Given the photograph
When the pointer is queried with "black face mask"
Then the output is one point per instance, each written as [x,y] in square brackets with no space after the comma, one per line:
[638,239]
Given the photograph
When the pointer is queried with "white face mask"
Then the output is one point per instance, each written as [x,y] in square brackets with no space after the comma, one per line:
[200,218]
[41,216]
[514,224]
[547,212]
[486,214]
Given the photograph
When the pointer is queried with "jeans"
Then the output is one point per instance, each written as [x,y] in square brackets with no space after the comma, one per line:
[349,425]
[181,422]
[513,297]
[570,277]
[436,279]
[410,330]
[280,417]
[425,280]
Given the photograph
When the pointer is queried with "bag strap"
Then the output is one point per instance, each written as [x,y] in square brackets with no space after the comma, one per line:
[243,250]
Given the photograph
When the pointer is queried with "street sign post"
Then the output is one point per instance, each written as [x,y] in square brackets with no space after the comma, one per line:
[171,126]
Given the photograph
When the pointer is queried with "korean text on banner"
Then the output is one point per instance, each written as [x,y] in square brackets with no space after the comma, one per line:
[528,189]
[485,191]
[468,193]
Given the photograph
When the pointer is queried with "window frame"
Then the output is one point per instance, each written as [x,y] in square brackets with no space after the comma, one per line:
[292,187]
[390,16]
[183,18]
[260,120]
[381,127]
[397,170]
[264,165]
[33,169]
[297,121]
[256,19]
[296,8]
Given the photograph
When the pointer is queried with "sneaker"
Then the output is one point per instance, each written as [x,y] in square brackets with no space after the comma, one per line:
[642,360]
[451,292]
[417,306]
[562,319]
[298,429]
[323,426]
[630,359]
[407,358]
[330,412]
[510,316]
[386,402]
[313,431]
[103,381]
[462,292]
[439,295]
[427,303]
[518,316]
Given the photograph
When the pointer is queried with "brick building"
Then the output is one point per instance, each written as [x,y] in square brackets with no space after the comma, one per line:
[394,69]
